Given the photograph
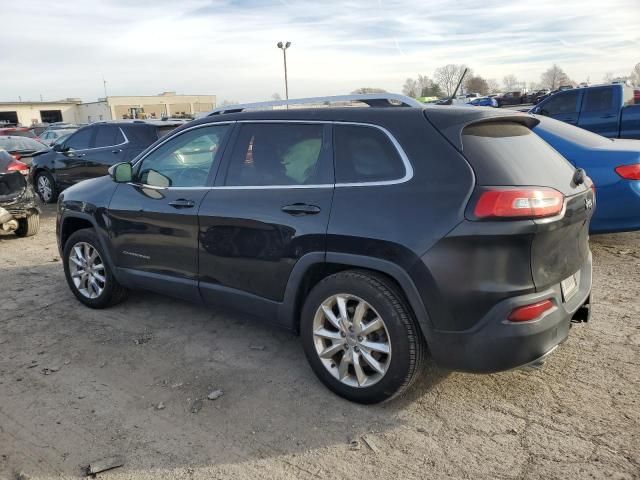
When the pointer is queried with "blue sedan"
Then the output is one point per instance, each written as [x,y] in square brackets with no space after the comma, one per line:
[612,164]
[484,102]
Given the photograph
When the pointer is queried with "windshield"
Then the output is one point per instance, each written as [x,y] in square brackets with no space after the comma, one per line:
[569,133]
[16,144]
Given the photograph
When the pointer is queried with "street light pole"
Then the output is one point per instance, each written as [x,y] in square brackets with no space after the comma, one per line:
[283,47]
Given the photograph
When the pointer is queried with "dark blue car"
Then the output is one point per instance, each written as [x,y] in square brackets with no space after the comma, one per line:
[612,164]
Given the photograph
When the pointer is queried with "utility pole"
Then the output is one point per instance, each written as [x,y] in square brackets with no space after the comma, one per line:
[104,84]
[283,47]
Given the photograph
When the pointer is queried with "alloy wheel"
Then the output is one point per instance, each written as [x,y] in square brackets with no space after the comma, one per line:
[351,340]
[45,189]
[87,270]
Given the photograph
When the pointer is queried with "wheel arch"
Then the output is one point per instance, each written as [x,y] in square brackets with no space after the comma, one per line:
[312,268]
[72,222]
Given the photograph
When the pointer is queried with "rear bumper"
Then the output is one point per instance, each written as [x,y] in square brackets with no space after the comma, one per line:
[495,344]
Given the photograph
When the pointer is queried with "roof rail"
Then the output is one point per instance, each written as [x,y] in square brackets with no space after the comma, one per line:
[371,99]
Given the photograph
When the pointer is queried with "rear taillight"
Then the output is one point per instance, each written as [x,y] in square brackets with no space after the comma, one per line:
[530,312]
[519,202]
[16,166]
[16,156]
[630,172]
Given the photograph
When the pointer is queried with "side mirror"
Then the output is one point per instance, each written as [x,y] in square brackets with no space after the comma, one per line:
[121,172]
[58,147]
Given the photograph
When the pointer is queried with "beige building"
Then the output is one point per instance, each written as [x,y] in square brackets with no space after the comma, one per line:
[72,110]
[29,113]
[167,104]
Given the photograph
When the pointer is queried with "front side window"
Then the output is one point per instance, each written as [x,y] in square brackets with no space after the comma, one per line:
[598,100]
[279,154]
[185,160]
[561,104]
[365,154]
[80,140]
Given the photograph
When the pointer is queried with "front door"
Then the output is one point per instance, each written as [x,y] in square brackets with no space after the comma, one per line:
[69,163]
[269,208]
[563,106]
[155,218]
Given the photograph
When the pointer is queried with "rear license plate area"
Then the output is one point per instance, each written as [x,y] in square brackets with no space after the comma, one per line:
[569,286]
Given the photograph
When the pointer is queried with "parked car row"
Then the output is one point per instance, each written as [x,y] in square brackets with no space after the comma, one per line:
[609,110]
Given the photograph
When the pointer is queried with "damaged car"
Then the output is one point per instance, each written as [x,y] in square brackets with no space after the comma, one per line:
[19,212]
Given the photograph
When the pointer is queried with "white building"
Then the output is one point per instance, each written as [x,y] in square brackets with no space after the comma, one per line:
[73,110]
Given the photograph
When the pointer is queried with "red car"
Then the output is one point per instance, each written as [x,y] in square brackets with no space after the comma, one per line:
[17,132]
[636,96]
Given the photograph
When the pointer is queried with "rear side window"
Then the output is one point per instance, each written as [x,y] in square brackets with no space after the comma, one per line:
[508,153]
[562,103]
[108,136]
[279,154]
[365,154]
[598,100]
[140,134]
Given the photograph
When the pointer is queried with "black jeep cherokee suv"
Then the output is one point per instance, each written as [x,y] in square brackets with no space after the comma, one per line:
[378,234]
[90,151]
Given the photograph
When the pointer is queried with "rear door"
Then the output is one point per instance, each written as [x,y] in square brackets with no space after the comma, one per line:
[563,106]
[600,111]
[270,207]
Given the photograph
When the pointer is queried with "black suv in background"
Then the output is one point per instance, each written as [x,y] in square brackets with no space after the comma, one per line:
[376,233]
[90,151]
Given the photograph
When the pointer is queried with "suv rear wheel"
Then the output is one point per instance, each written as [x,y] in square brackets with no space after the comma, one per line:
[360,337]
[87,273]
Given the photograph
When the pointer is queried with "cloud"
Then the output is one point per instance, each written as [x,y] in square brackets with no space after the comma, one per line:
[227,47]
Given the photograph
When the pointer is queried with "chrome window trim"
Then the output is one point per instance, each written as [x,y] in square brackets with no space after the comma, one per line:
[126,140]
[403,156]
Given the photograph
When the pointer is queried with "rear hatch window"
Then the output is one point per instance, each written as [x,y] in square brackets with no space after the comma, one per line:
[509,153]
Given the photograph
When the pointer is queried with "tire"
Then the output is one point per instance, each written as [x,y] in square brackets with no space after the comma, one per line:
[29,226]
[43,180]
[400,334]
[91,291]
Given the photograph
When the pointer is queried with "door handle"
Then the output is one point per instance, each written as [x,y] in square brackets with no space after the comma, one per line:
[182,203]
[609,116]
[116,151]
[298,209]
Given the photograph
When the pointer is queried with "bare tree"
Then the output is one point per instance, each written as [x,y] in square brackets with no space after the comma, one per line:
[448,76]
[410,88]
[369,90]
[510,82]
[494,86]
[276,96]
[555,77]
[476,84]
[635,75]
[224,103]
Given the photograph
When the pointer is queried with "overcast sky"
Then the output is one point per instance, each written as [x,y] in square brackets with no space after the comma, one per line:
[228,47]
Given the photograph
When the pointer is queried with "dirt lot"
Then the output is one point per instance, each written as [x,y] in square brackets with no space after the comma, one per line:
[77,385]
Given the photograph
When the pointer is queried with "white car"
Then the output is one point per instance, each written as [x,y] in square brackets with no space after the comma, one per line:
[50,136]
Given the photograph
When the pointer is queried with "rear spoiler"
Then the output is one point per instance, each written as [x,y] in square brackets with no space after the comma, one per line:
[451,120]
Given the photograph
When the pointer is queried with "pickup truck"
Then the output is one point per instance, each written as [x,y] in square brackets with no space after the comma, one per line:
[605,109]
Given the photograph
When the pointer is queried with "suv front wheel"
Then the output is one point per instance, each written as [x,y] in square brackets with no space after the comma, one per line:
[360,337]
[88,274]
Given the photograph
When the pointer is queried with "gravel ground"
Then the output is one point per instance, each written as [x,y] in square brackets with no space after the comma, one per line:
[77,385]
